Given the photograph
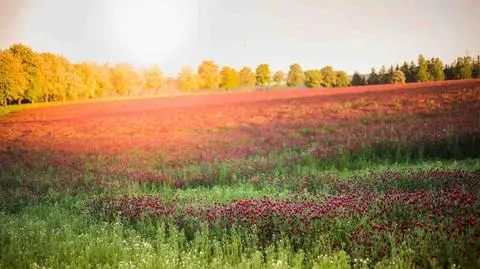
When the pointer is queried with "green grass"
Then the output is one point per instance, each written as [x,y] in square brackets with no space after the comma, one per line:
[46,219]
[60,232]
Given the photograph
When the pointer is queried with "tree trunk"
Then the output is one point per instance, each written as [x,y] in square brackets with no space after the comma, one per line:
[20,101]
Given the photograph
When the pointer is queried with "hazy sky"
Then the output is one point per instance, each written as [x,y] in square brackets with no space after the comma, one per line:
[347,34]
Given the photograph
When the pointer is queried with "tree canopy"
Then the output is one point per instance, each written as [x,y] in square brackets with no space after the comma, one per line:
[29,76]
[263,75]
[295,77]
[229,78]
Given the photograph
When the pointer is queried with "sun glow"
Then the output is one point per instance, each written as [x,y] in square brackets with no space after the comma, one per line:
[151,31]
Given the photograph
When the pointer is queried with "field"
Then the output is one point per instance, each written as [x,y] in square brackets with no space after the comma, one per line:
[383,176]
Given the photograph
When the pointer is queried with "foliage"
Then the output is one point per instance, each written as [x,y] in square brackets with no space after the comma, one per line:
[313,78]
[399,77]
[436,70]
[423,75]
[279,78]
[229,78]
[476,68]
[247,77]
[13,78]
[263,75]
[125,79]
[342,79]
[208,75]
[53,77]
[357,80]
[373,77]
[153,78]
[31,65]
[187,79]
[295,77]
[464,67]
[329,77]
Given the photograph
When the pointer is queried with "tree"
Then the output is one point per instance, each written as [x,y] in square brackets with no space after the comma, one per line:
[74,83]
[398,77]
[153,78]
[104,81]
[476,68]
[464,67]
[87,71]
[30,64]
[13,78]
[423,75]
[373,77]
[313,78]
[262,75]
[329,77]
[383,76]
[342,79]
[390,74]
[410,71]
[209,75]
[437,70]
[295,77]
[357,80]
[187,79]
[247,77]
[279,78]
[229,78]
[54,77]
[125,79]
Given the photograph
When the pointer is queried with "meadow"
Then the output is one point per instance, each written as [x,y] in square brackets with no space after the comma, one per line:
[383,176]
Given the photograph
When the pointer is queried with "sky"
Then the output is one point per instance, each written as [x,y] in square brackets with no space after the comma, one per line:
[351,35]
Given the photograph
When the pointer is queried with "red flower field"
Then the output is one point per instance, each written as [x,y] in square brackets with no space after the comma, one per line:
[355,169]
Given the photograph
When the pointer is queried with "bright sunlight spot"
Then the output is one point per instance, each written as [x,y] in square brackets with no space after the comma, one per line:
[151,30]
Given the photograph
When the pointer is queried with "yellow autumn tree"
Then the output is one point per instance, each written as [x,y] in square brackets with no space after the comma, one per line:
[13,78]
[209,76]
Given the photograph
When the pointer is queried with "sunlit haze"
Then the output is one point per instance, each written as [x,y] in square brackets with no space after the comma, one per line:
[349,35]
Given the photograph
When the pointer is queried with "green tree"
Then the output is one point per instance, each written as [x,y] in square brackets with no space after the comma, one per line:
[329,77]
[295,77]
[279,78]
[464,67]
[437,70]
[373,78]
[357,80]
[125,79]
[153,78]
[229,78]
[187,80]
[390,74]
[423,75]
[383,76]
[263,75]
[410,71]
[342,79]
[30,64]
[247,77]
[13,78]
[476,68]
[313,78]
[208,75]
[398,77]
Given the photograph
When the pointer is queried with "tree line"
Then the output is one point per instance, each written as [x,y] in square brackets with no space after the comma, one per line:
[423,71]
[28,77]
